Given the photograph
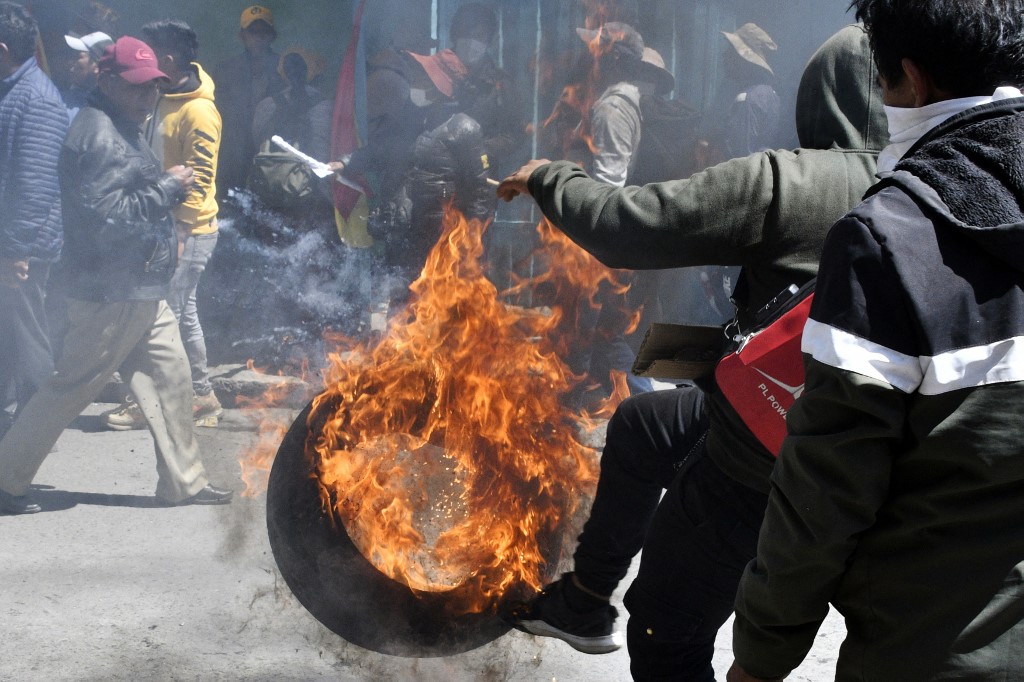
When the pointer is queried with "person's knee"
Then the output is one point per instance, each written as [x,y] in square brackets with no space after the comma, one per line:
[624,446]
[630,417]
[621,419]
[638,442]
[667,645]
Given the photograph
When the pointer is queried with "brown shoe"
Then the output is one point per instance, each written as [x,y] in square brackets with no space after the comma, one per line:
[206,409]
[127,417]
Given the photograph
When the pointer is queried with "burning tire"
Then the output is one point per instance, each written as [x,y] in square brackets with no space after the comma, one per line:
[340,587]
[439,475]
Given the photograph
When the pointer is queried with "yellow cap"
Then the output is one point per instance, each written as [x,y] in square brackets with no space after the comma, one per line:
[257,13]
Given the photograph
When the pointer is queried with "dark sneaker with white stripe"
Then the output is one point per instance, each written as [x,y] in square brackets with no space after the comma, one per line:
[549,615]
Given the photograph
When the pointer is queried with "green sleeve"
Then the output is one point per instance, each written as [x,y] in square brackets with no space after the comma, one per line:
[715,217]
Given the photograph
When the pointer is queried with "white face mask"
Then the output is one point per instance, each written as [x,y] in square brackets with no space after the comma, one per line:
[418,97]
[470,51]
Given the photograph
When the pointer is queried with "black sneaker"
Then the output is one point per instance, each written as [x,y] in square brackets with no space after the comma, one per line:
[208,495]
[15,504]
[549,615]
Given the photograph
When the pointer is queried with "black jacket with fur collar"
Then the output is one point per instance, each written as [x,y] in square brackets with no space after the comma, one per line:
[899,494]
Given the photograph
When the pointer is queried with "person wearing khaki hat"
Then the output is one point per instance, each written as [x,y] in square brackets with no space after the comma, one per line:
[242,82]
[745,115]
[753,44]
[615,115]
[612,129]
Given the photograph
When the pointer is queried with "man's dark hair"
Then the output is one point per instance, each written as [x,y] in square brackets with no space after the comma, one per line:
[174,37]
[471,15]
[967,47]
[95,16]
[18,31]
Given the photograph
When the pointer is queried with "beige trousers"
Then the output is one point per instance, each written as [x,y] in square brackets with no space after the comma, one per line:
[141,339]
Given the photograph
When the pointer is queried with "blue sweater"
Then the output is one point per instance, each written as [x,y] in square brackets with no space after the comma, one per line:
[33,123]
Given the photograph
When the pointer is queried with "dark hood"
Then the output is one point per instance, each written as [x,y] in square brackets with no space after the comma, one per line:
[970,171]
[839,103]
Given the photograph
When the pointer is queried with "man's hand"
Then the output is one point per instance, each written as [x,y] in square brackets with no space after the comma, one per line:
[13,272]
[183,174]
[515,184]
[738,674]
[183,230]
[336,166]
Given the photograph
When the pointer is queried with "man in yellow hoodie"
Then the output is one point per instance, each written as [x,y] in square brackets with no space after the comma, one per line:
[186,131]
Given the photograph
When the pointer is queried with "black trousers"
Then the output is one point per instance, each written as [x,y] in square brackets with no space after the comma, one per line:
[648,438]
[25,357]
[696,541]
[703,535]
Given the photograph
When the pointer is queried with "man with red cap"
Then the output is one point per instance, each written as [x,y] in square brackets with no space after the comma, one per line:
[120,252]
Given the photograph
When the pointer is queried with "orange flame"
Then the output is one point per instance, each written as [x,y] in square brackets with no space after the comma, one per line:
[445,454]
[257,460]
[260,456]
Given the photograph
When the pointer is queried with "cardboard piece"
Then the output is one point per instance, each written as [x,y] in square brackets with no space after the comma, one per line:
[673,352]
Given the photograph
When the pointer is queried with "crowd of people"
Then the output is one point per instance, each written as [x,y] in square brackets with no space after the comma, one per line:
[897,493]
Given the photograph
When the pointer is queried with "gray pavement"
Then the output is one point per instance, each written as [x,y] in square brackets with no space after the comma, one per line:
[104,585]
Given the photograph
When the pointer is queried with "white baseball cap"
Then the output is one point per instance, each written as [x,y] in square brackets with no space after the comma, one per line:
[93,43]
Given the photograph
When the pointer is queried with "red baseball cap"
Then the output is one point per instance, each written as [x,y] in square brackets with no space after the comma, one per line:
[132,60]
[444,68]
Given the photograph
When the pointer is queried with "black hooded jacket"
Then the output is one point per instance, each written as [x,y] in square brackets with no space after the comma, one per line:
[899,494]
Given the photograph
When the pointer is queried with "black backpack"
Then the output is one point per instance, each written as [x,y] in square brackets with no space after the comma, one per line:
[668,139]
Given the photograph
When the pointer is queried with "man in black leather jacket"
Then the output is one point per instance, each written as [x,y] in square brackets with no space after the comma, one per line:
[120,252]
[447,164]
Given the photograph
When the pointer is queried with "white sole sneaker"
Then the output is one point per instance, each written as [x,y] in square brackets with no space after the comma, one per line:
[604,644]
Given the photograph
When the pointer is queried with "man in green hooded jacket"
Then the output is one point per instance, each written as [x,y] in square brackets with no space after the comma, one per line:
[767,213]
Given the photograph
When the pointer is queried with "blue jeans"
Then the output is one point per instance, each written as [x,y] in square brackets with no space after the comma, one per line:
[181,297]
[600,346]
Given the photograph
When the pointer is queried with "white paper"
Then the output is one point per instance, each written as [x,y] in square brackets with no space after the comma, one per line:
[321,169]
